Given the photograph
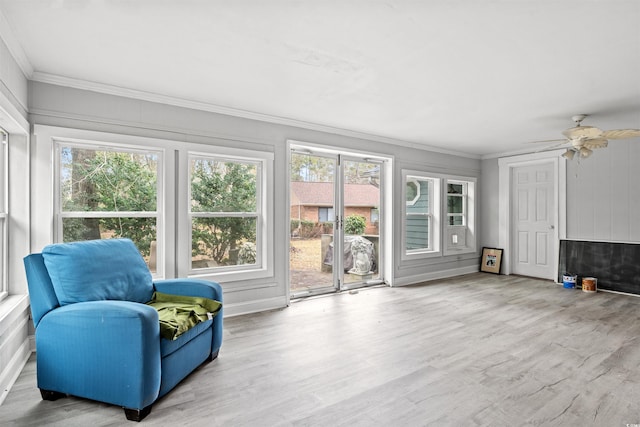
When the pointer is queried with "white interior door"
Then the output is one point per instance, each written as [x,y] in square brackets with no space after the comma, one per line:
[534,231]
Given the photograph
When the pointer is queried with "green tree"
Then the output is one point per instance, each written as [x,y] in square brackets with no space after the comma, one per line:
[222,187]
[109,181]
[310,168]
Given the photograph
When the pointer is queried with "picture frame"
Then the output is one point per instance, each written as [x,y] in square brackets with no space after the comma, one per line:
[491,260]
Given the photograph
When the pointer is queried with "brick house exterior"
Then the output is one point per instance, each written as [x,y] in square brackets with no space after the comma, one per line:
[311,201]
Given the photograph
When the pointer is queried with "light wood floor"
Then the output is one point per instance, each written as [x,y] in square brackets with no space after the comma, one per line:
[479,349]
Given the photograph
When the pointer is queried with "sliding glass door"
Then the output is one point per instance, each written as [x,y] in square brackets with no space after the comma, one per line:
[335,221]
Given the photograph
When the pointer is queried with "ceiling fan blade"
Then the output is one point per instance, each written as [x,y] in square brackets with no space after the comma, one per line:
[592,144]
[551,147]
[564,140]
[582,132]
[620,133]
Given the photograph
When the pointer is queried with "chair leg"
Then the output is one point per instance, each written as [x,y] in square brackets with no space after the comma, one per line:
[51,395]
[137,414]
[212,357]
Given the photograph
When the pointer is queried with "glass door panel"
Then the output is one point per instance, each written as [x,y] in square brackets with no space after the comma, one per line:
[313,217]
[361,222]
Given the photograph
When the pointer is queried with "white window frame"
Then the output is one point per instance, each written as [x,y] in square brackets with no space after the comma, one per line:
[43,191]
[4,214]
[264,219]
[257,215]
[173,255]
[465,233]
[60,215]
[434,214]
[462,196]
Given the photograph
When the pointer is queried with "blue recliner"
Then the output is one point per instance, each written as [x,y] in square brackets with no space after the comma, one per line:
[95,336]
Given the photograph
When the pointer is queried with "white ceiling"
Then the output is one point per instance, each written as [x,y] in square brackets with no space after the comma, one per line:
[474,76]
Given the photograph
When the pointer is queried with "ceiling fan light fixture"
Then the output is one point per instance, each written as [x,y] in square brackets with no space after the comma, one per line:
[584,139]
[585,152]
[569,154]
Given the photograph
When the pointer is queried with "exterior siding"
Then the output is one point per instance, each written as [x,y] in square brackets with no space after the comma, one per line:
[418,227]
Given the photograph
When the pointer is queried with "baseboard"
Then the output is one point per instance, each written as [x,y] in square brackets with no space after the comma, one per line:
[12,371]
[441,274]
[237,309]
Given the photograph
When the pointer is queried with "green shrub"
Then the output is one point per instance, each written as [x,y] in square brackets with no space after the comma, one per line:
[355,224]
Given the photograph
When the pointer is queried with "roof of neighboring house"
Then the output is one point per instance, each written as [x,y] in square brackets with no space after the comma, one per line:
[321,194]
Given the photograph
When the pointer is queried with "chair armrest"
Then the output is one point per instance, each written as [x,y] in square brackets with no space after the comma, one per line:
[114,345]
[190,287]
[198,288]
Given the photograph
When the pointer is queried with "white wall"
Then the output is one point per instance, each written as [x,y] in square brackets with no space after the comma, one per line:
[82,109]
[13,85]
[489,183]
[603,194]
[14,310]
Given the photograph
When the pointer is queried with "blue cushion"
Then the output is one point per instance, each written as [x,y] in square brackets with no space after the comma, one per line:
[94,270]
[169,346]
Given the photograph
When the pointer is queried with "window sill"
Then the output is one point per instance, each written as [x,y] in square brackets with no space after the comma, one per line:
[420,255]
[10,307]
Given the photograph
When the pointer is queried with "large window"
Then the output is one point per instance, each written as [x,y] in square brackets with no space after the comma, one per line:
[460,211]
[106,192]
[225,210]
[436,225]
[4,209]
[202,210]
[421,214]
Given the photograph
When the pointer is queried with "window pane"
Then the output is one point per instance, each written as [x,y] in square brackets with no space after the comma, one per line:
[107,181]
[454,204]
[425,198]
[375,215]
[456,220]
[412,191]
[417,192]
[3,213]
[219,242]
[417,232]
[323,214]
[455,188]
[223,186]
[418,220]
[3,255]
[3,171]
[141,230]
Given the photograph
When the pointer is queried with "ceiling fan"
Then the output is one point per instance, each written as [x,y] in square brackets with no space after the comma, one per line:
[584,139]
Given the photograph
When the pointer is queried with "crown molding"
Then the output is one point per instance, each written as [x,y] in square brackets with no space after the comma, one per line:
[213,108]
[14,46]
[511,153]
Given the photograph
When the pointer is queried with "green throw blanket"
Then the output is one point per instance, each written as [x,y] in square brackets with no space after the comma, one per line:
[179,313]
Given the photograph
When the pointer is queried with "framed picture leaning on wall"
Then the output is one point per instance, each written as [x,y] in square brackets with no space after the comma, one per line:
[491,260]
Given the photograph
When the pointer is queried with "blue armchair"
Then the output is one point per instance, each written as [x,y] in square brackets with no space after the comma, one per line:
[95,336]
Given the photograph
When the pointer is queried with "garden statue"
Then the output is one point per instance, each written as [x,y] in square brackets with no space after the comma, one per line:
[361,250]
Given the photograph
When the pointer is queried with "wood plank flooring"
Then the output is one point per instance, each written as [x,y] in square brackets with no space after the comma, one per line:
[479,349]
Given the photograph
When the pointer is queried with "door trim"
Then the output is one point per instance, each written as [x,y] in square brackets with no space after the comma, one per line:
[386,202]
[505,168]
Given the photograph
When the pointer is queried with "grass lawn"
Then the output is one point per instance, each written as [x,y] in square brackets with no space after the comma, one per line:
[305,255]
